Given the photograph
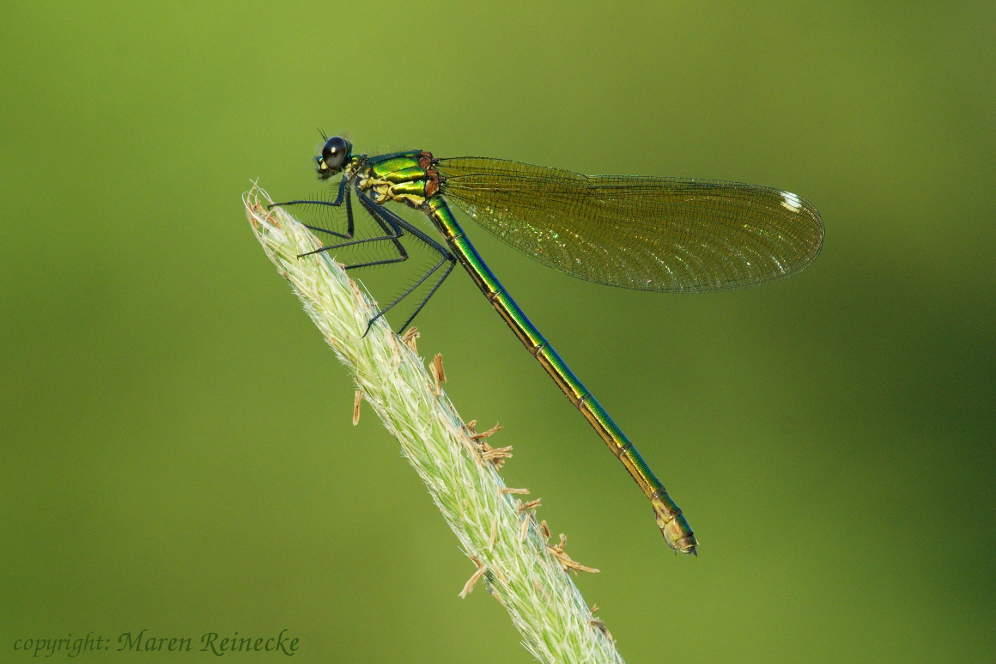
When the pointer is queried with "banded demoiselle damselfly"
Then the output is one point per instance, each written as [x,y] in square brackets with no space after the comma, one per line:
[644,233]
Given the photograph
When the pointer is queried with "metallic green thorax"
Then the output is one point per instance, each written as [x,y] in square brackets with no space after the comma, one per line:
[411,178]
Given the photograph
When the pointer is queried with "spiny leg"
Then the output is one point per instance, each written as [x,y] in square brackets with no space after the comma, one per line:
[432,292]
[393,233]
[336,203]
[392,219]
[411,288]
[352,243]
[343,194]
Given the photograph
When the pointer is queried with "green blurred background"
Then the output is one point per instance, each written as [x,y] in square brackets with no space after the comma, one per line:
[175,437]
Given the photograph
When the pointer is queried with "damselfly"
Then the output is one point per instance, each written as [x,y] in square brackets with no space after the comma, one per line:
[645,233]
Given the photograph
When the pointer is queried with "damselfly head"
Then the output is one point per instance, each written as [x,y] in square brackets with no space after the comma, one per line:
[336,152]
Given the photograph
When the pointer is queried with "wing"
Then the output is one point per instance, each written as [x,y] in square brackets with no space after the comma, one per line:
[646,233]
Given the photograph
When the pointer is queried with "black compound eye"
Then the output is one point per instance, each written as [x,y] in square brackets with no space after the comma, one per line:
[334,152]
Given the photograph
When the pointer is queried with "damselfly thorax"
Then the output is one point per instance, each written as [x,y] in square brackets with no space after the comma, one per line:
[406,177]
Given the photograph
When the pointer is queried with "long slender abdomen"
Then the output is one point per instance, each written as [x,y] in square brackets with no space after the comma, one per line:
[670,520]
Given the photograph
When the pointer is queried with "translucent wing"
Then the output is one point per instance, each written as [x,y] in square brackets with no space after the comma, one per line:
[646,233]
